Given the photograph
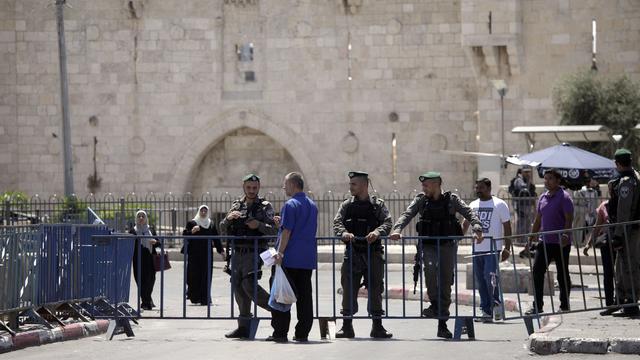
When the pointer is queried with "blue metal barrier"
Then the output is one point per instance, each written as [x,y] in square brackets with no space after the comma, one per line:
[19,261]
[55,263]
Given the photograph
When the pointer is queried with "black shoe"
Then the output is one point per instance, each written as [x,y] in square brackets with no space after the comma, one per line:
[239,333]
[630,312]
[443,332]
[565,309]
[607,312]
[379,332]
[346,332]
[278,339]
[146,306]
[300,339]
[533,311]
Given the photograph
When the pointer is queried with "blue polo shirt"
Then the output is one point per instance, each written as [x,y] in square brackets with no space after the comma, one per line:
[300,216]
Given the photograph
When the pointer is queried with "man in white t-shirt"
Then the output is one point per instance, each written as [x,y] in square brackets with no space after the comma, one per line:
[496,224]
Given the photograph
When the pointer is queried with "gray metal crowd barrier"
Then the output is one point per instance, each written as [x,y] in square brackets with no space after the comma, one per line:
[399,303]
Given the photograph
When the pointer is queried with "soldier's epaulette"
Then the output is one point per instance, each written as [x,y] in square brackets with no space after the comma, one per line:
[376,200]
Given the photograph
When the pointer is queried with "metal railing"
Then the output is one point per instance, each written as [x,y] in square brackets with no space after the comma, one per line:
[169,213]
[398,301]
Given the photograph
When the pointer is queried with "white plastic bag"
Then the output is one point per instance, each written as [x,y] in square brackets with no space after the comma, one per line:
[281,290]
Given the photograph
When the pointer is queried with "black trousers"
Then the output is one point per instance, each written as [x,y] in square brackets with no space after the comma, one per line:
[608,273]
[545,254]
[300,280]
[358,266]
[147,277]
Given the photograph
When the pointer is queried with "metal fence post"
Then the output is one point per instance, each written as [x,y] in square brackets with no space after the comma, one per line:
[174,221]
[7,211]
[123,219]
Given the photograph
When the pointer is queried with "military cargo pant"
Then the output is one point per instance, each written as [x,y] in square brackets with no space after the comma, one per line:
[438,273]
[358,266]
[243,266]
[628,269]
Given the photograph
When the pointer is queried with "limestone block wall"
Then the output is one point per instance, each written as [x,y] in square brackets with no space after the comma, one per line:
[162,84]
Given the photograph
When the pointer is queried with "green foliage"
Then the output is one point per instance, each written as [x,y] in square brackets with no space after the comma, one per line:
[587,98]
[16,197]
[71,209]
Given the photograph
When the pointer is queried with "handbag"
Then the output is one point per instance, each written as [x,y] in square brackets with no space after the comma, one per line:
[157,261]
[601,240]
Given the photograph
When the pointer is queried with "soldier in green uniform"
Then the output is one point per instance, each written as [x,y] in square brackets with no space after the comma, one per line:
[623,207]
[250,215]
[360,222]
[437,211]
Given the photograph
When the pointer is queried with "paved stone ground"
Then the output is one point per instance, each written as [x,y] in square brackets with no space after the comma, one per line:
[587,333]
[163,338]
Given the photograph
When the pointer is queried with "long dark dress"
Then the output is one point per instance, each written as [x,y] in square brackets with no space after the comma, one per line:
[198,281]
[147,271]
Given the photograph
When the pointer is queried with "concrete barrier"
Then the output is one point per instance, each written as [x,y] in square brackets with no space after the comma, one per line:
[518,281]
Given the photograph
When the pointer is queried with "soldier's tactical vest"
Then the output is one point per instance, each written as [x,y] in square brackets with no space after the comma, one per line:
[360,219]
[438,218]
[239,228]
[613,201]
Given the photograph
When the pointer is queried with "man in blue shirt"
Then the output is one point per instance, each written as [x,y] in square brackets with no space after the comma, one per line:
[297,254]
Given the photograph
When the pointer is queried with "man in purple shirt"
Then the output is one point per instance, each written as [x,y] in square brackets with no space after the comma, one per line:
[553,212]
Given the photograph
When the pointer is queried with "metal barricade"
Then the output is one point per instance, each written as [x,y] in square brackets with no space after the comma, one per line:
[48,269]
[454,257]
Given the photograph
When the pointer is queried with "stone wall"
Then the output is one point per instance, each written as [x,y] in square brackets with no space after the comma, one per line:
[161,84]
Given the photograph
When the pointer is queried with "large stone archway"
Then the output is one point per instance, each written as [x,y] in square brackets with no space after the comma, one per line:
[242,151]
[231,123]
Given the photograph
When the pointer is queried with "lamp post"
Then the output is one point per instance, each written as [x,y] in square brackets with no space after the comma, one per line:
[64,99]
[501,87]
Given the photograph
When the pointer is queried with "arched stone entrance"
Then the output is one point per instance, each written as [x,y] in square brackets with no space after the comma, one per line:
[240,152]
[239,122]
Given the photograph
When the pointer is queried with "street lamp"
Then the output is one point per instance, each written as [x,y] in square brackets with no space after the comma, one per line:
[616,141]
[501,87]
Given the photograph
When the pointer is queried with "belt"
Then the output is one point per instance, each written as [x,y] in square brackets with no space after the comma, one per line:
[244,250]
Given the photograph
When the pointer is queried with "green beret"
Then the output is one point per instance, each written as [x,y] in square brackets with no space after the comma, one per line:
[429,175]
[353,174]
[622,152]
[251,177]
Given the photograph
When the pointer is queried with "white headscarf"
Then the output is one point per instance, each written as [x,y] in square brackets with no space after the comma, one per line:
[203,222]
[143,230]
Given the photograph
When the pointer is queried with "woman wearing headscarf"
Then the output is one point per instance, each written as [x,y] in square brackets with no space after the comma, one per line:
[198,281]
[144,273]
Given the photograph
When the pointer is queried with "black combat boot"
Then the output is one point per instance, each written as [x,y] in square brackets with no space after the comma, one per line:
[443,331]
[347,330]
[378,331]
[242,332]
